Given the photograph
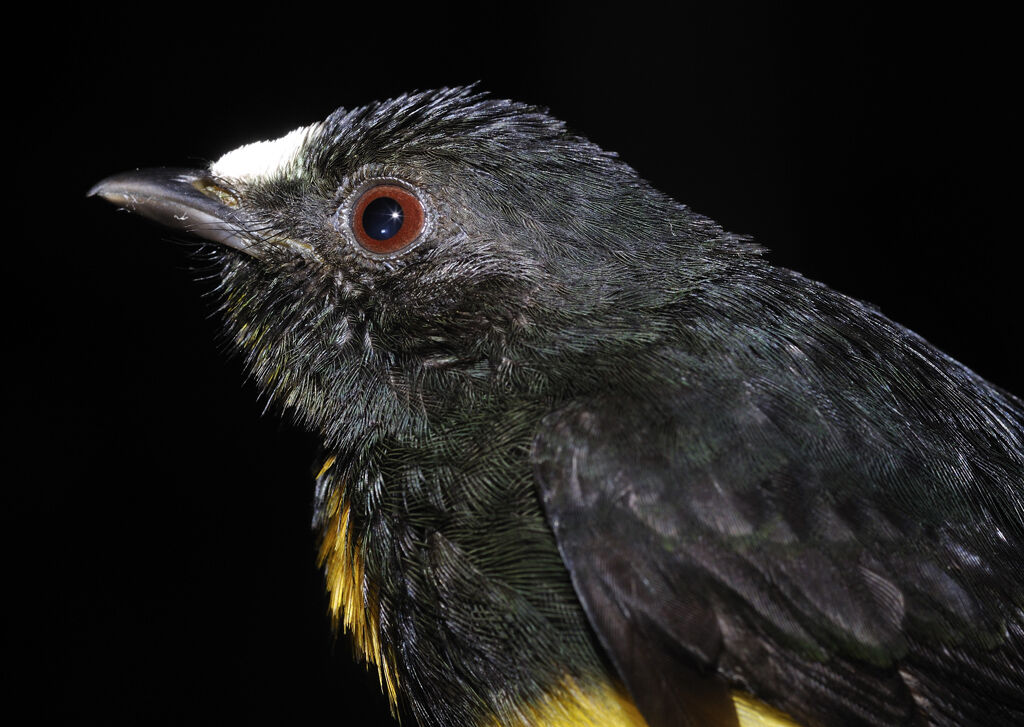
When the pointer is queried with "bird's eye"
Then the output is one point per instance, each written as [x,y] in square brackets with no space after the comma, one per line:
[387,218]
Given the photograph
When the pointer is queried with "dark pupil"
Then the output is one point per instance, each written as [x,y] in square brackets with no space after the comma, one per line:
[382,218]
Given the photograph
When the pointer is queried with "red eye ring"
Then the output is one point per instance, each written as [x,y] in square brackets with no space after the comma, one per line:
[387,218]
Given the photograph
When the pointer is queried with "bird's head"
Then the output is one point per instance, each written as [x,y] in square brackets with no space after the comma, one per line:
[395,259]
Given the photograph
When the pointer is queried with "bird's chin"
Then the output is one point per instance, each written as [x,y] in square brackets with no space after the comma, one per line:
[182,199]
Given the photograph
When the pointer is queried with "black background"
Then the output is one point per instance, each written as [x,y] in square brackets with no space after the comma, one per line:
[158,522]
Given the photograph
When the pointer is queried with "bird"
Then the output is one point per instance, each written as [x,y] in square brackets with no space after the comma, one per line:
[590,459]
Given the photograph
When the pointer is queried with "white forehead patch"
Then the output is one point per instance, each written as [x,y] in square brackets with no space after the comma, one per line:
[265,159]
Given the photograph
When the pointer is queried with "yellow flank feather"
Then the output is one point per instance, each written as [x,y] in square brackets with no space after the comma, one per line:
[352,601]
[572,705]
[754,713]
[608,705]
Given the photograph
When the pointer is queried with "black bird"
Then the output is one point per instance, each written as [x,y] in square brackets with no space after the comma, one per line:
[588,458]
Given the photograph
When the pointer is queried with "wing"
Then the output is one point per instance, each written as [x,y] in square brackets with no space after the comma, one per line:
[743,538]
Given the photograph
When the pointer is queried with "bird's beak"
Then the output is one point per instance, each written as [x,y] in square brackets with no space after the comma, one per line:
[182,199]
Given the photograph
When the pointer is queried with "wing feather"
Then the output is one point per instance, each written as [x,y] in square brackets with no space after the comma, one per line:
[714,550]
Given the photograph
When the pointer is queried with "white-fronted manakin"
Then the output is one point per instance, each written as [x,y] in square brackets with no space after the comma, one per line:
[588,458]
